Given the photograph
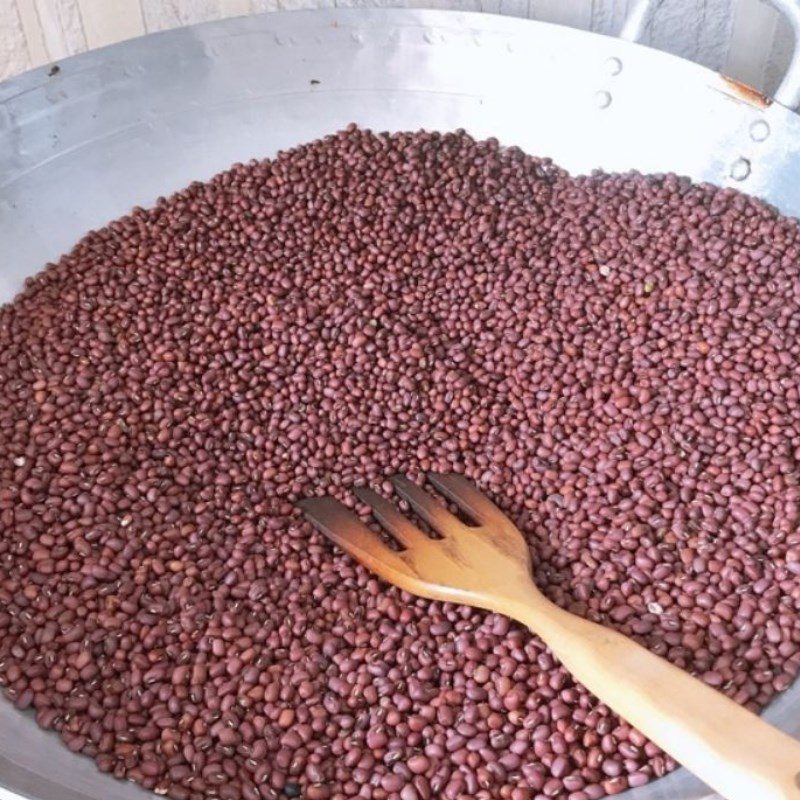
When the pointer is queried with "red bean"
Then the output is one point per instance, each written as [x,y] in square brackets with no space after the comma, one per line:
[418,764]
[611,358]
[560,766]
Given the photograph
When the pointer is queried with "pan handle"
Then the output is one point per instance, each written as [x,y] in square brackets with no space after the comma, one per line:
[787,94]
[639,19]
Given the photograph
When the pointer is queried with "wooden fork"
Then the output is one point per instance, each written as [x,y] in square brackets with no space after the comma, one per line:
[488,565]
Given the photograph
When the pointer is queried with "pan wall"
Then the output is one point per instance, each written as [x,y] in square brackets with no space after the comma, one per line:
[743,38]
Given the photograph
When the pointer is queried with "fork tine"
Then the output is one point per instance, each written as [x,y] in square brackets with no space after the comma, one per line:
[467,496]
[385,512]
[435,514]
[345,529]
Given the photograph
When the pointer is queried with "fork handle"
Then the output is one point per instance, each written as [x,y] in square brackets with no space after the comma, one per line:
[734,751]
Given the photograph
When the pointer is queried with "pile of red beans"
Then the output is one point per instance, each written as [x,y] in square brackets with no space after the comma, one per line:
[613,359]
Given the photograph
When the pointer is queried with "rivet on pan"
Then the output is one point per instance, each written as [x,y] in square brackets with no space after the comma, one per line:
[602,99]
[613,66]
[357,37]
[759,130]
[476,39]
[740,169]
[429,37]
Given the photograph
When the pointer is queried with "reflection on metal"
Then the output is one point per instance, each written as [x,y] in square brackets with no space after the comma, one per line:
[121,126]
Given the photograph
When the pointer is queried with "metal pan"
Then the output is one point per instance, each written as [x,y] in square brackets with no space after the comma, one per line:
[121,126]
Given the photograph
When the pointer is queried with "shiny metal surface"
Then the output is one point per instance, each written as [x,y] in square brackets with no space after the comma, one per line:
[120,126]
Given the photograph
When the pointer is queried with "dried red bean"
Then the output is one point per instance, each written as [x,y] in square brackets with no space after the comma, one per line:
[612,358]
[418,764]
